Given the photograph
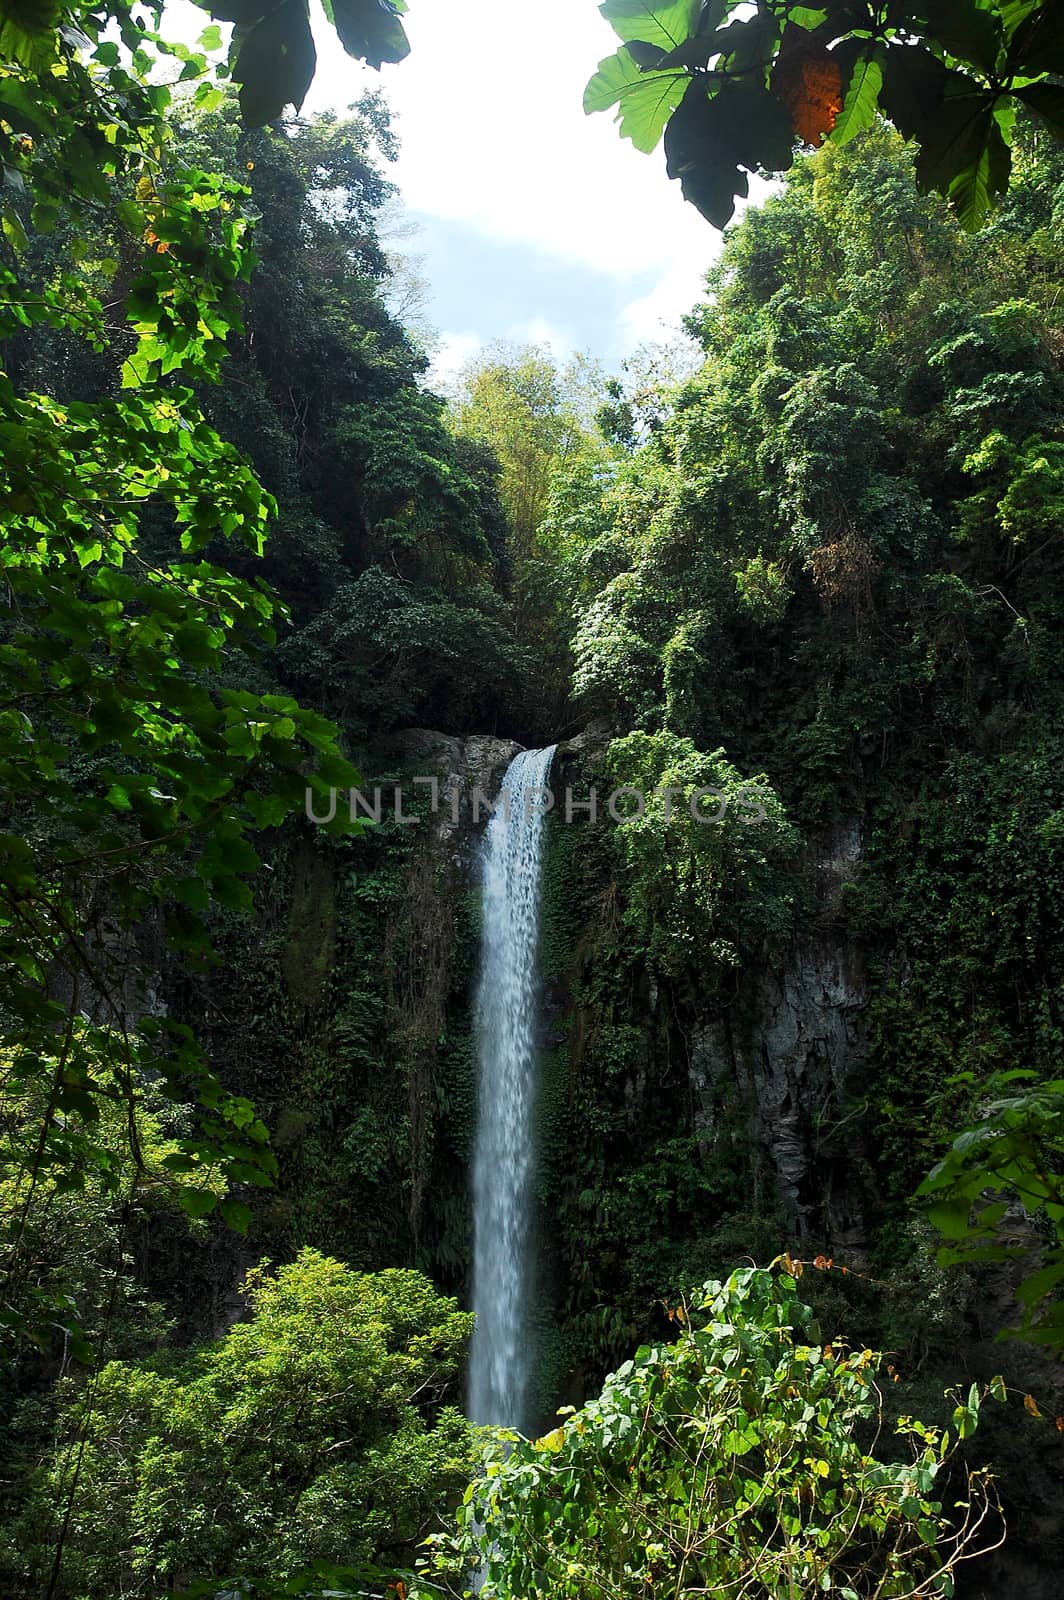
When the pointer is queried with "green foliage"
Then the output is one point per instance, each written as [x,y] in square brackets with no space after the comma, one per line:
[271,55]
[133,772]
[537,422]
[829,558]
[701,858]
[735,94]
[1011,1156]
[803,571]
[389,541]
[739,1456]
[316,1429]
[534,417]
[382,657]
[73,1288]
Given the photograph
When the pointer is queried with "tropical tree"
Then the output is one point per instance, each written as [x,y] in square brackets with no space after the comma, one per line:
[132,774]
[536,417]
[1009,1164]
[702,856]
[319,1427]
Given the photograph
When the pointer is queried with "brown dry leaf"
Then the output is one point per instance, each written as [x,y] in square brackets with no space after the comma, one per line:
[809,82]
[1030,1405]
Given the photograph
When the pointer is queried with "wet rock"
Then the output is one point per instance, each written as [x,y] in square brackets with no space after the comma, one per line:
[792,1045]
[469,771]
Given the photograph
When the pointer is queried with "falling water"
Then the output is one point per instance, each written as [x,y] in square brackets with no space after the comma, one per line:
[506,1050]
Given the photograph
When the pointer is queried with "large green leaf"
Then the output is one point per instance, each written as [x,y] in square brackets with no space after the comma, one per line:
[956,124]
[645,100]
[1038,44]
[965,29]
[982,163]
[663,22]
[273,62]
[1047,101]
[711,139]
[914,86]
[962,153]
[369,29]
[863,85]
[749,43]
[19,107]
[1013,12]
[27,32]
[647,56]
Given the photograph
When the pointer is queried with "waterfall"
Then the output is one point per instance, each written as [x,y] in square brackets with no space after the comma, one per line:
[505,1021]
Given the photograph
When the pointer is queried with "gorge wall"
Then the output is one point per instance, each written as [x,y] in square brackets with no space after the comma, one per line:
[685,1123]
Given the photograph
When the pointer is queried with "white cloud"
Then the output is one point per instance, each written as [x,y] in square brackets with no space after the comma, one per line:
[538,330]
[655,317]
[488,109]
[452,351]
[450,356]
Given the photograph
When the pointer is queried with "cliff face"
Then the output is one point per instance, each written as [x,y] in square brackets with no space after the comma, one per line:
[342,1008]
[791,1044]
[681,1124]
[762,1076]
[469,769]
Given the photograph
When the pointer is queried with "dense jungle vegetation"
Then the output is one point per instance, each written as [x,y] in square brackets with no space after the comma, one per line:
[250,555]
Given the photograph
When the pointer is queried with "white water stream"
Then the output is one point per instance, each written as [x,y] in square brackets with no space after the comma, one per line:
[506,1060]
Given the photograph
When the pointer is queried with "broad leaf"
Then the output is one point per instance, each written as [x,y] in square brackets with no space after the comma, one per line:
[709,141]
[236,1215]
[273,62]
[1047,101]
[808,17]
[647,56]
[369,29]
[1013,12]
[747,44]
[18,107]
[1038,44]
[862,91]
[914,85]
[966,30]
[971,163]
[663,22]
[645,100]
[953,118]
[27,32]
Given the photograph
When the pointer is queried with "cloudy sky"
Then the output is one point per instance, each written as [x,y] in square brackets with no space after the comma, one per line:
[536,222]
